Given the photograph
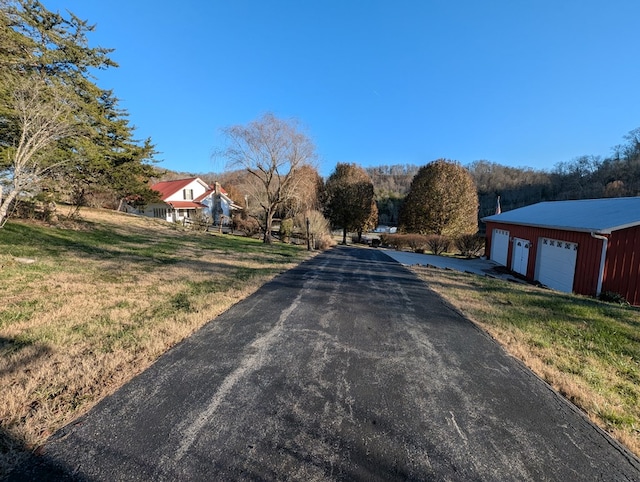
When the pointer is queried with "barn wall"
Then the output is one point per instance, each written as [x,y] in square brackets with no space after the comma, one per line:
[588,259]
[622,269]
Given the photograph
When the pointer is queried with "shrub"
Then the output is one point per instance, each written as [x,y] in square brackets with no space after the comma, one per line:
[417,242]
[249,226]
[612,297]
[319,229]
[395,241]
[199,221]
[469,245]
[286,229]
[438,244]
[36,209]
[323,241]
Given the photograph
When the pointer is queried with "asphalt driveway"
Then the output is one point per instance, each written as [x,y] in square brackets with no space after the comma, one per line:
[345,368]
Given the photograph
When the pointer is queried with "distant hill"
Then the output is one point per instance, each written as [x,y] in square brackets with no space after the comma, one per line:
[586,177]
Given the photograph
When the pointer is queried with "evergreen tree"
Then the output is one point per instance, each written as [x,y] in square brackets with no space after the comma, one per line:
[442,200]
[349,199]
[55,122]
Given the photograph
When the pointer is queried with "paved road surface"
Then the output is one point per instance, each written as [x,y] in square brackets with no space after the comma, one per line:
[345,368]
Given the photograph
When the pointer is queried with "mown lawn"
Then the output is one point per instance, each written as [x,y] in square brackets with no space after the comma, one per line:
[586,349]
[87,306]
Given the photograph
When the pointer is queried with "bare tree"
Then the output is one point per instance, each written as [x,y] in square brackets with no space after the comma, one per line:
[272,151]
[40,115]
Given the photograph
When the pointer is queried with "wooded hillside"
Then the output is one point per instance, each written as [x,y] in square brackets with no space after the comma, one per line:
[585,177]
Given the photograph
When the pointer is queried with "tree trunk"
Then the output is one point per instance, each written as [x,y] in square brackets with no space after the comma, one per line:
[267,226]
[4,206]
[344,236]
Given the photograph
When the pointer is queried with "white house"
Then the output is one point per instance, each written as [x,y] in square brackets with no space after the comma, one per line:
[183,198]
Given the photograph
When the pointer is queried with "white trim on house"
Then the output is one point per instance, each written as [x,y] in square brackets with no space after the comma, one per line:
[182,198]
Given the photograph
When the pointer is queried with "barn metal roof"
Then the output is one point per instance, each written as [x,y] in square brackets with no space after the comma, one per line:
[590,215]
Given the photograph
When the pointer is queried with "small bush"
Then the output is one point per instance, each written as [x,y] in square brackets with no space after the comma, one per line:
[286,230]
[319,229]
[438,244]
[199,221]
[323,241]
[36,209]
[417,242]
[469,245]
[249,227]
[395,241]
[612,297]
[385,239]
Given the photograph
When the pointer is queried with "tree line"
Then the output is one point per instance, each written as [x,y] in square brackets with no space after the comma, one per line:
[274,169]
[272,175]
[585,177]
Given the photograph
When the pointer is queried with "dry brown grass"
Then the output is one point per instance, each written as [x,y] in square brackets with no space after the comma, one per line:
[84,319]
[560,337]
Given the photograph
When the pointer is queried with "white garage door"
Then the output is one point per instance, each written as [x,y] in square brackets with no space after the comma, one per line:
[556,264]
[520,261]
[500,246]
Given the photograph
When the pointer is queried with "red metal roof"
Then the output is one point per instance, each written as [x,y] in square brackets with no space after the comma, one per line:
[204,195]
[167,188]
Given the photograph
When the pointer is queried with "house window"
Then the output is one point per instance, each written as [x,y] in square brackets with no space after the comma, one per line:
[188,194]
[159,212]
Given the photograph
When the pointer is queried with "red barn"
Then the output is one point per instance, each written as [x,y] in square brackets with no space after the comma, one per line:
[587,246]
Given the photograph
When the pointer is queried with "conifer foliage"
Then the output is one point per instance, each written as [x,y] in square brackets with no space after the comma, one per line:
[349,200]
[57,127]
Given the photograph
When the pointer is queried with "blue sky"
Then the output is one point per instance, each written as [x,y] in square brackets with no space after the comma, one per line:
[517,82]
